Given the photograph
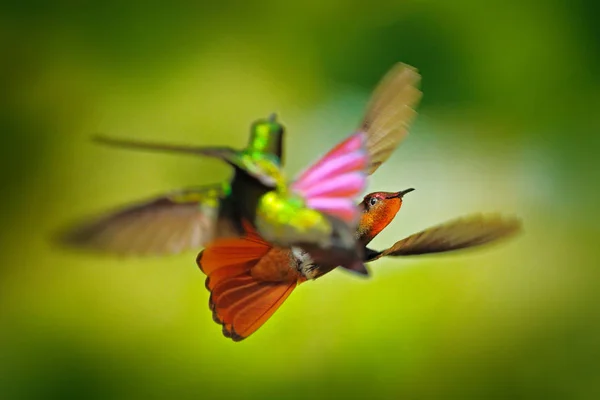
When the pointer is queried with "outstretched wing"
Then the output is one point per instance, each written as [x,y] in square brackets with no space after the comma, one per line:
[166,224]
[236,159]
[223,153]
[470,231]
[390,112]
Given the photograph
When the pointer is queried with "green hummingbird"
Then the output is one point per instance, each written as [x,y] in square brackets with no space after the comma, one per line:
[311,212]
[287,213]
[257,169]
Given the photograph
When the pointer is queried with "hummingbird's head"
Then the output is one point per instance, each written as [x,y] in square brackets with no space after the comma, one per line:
[266,136]
[378,210]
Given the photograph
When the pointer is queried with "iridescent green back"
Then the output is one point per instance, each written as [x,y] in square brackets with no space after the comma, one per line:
[259,172]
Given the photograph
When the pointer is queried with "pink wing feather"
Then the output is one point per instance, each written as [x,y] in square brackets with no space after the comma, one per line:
[332,183]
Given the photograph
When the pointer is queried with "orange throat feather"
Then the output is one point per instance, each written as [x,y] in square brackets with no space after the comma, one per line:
[373,221]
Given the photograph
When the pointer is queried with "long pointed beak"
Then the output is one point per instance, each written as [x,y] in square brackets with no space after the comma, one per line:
[401,193]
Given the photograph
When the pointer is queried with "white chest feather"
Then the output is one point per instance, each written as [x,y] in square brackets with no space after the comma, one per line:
[304,263]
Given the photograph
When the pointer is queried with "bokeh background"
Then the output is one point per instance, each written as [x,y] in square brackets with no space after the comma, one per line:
[509,122]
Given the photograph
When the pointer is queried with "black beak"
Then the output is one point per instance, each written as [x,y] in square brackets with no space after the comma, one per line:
[401,193]
[273,117]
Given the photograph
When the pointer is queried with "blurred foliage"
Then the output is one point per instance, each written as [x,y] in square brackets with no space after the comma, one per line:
[508,123]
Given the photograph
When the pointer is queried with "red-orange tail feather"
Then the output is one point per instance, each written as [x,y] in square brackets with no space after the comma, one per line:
[239,301]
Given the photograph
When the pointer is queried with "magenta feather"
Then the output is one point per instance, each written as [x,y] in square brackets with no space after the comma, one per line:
[336,179]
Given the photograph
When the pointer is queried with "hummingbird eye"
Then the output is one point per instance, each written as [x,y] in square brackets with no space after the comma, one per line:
[373,201]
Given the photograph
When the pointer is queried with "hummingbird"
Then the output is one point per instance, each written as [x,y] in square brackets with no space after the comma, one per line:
[249,278]
[315,212]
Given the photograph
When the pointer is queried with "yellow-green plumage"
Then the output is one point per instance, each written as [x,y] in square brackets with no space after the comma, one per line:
[285,219]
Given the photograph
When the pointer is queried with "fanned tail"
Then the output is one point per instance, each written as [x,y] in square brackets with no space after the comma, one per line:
[240,302]
[332,183]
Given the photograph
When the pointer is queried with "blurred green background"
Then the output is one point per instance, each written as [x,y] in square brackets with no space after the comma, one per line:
[509,122]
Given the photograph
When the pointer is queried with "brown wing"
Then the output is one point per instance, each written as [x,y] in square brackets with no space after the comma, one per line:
[223,153]
[462,233]
[390,112]
[229,155]
[167,224]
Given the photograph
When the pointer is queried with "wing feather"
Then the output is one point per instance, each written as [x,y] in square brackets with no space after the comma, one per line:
[462,233]
[167,224]
[390,112]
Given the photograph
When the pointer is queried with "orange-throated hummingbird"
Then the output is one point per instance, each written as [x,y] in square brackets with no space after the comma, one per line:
[249,278]
[315,212]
